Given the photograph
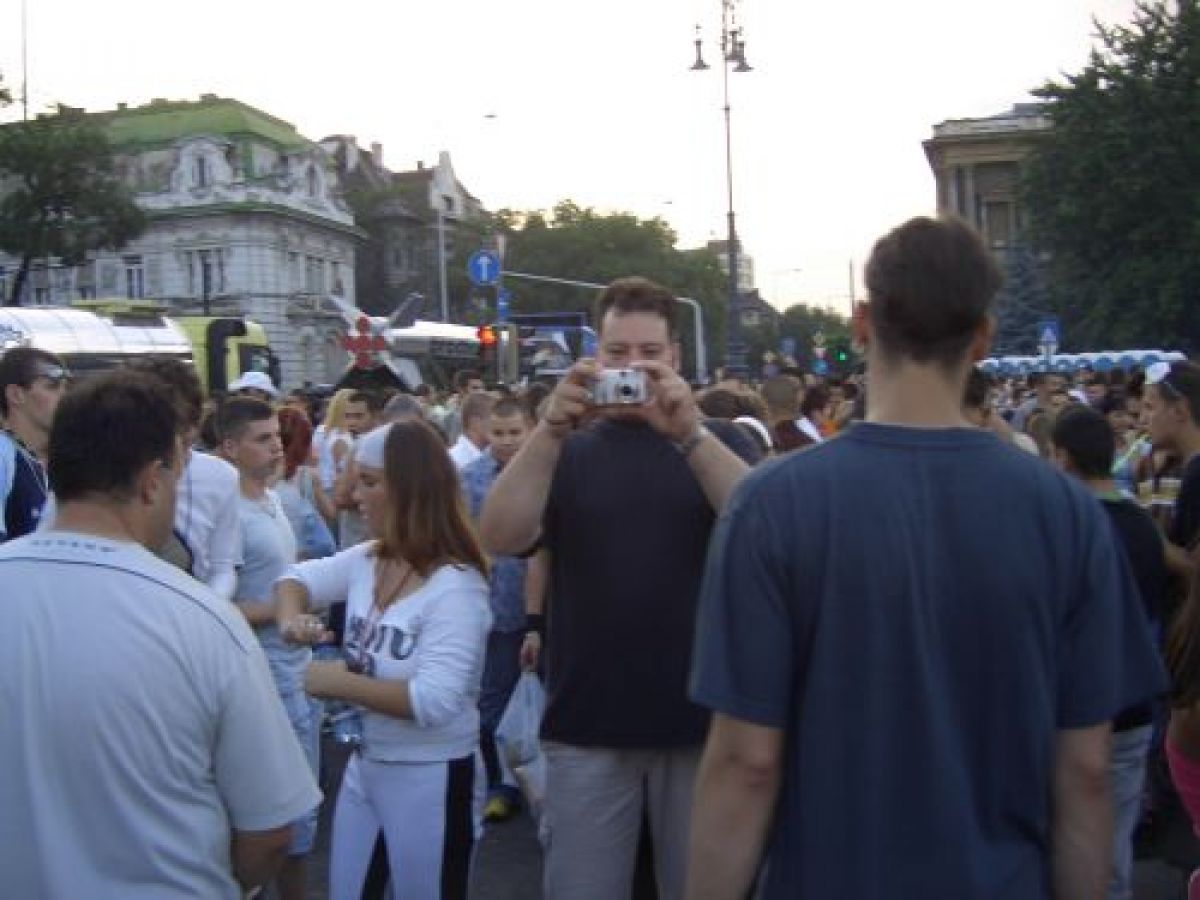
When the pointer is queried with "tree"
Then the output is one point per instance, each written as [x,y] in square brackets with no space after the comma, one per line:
[61,195]
[1114,190]
[584,245]
[1021,303]
[802,323]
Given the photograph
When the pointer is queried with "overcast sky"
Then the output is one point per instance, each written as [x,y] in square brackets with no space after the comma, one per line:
[541,100]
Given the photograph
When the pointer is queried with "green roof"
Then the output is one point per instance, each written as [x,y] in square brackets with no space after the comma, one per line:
[161,123]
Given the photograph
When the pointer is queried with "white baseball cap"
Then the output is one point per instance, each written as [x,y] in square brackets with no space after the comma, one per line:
[254,381]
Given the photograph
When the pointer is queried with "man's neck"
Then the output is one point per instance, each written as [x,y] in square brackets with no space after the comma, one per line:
[109,521]
[34,439]
[919,396]
[1188,445]
[252,488]
[1102,487]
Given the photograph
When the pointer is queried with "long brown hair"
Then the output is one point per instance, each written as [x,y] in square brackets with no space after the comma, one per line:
[427,524]
[296,433]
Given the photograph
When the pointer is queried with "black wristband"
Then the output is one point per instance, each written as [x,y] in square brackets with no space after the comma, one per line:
[535,623]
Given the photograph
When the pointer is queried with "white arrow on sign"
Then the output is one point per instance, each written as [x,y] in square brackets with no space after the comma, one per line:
[484,264]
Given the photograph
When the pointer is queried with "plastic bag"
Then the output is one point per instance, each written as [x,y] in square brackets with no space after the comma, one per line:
[517,739]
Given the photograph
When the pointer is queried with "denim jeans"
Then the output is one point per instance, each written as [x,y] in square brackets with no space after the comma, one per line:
[1128,766]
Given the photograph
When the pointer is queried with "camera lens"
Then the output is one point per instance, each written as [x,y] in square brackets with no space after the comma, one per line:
[626,390]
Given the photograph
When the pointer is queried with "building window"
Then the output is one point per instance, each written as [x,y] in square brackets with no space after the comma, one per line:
[206,272]
[447,203]
[312,181]
[201,177]
[135,277]
[998,223]
[335,279]
[314,275]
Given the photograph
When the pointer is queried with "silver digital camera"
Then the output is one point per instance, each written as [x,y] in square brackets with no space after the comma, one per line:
[619,387]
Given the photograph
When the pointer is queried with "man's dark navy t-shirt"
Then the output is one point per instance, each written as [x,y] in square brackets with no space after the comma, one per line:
[22,507]
[1185,523]
[920,610]
[1139,536]
[627,526]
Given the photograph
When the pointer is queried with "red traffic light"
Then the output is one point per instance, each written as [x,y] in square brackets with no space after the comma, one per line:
[487,335]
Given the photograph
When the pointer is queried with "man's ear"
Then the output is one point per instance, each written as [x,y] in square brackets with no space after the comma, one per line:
[981,341]
[14,396]
[860,326]
[149,482]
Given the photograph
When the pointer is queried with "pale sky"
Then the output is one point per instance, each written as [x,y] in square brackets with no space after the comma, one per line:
[541,100]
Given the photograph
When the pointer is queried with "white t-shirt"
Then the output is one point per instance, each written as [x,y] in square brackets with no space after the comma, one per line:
[806,425]
[268,551]
[206,515]
[434,639]
[464,452]
[139,725]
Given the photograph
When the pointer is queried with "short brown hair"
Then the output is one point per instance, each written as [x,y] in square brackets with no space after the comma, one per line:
[236,414]
[636,294]
[512,406]
[181,380]
[19,366]
[428,525]
[781,393]
[476,406]
[931,284]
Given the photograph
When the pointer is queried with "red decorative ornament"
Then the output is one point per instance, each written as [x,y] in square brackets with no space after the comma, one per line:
[364,344]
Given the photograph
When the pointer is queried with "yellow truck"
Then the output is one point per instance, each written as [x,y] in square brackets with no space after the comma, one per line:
[222,347]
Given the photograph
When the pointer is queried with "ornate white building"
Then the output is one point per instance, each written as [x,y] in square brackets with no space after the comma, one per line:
[245,216]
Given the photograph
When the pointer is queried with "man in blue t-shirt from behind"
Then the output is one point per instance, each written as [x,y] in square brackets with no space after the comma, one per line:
[913,637]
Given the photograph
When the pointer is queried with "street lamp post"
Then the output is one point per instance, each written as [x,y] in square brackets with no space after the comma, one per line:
[733,53]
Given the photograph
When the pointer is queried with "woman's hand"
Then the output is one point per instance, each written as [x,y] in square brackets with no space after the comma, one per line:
[531,650]
[305,630]
[325,680]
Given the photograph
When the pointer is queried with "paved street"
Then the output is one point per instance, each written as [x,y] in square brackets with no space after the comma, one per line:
[509,862]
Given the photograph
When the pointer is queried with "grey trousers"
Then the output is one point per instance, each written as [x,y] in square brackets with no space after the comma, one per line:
[593,816]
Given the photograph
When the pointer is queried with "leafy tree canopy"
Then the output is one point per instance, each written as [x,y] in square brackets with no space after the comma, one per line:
[60,194]
[1114,191]
[581,244]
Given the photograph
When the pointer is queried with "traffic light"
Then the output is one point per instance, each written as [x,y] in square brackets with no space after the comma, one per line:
[487,350]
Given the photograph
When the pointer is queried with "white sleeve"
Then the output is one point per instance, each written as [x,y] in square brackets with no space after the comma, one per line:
[328,580]
[260,770]
[451,653]
[225,545]
[223,582]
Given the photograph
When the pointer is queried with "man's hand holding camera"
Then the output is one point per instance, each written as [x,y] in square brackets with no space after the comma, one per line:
[571,400]
[651,391]
[671,409]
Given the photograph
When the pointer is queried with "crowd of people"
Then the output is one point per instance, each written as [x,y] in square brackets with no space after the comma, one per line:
[896,634]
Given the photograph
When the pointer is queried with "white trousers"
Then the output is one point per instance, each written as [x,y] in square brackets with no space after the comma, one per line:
[430,816]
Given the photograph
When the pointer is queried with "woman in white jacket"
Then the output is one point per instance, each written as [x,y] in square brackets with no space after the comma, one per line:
[417,621]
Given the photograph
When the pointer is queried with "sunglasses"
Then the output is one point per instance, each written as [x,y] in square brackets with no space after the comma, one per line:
[1159,374]
[56,375]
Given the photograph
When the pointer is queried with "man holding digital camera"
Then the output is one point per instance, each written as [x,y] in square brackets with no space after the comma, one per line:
[623,497]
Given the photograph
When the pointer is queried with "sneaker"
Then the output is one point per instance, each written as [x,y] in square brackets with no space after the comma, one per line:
[499,809]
